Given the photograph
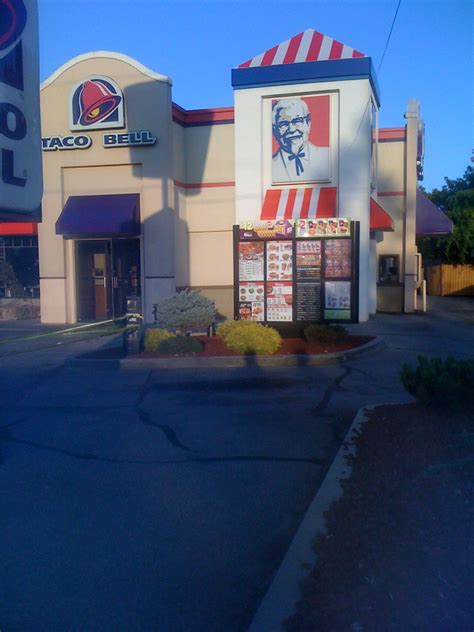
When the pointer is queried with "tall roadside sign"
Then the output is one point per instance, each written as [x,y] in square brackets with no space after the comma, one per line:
[21,176]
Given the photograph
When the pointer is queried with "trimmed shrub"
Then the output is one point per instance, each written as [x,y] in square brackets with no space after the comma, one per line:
[249,337]
[184,312]
[223,329]
[325,333]
[154,337]
[439,383]
[180,344]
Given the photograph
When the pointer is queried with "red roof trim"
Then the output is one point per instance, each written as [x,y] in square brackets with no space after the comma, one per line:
[202,185]
[18,228]
[379,218]
[209,116]
[392,133]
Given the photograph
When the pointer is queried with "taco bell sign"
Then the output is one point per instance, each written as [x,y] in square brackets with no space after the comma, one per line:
[21,178]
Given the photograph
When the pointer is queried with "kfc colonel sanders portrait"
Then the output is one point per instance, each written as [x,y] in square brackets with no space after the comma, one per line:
[297,159]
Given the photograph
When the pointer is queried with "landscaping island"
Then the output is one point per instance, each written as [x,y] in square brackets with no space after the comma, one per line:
[215,346]
[398,549]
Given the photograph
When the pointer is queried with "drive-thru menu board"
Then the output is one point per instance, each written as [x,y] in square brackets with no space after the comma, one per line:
[251,261]
[251,301]
[296,271]
[280,301]
[338,260]
[308,280]
[279,295]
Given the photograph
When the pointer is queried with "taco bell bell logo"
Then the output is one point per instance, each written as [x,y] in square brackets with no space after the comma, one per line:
[96,103]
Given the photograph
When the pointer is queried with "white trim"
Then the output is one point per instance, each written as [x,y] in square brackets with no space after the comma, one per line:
[346,52]
[109,55]
[281,52]
[313,203]
[325,50]
[257,61]
[280,214]
[298,203]
[303,49]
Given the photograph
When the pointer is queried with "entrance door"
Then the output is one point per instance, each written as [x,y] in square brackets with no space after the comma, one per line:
[94,279]
[107,271]
[125,272]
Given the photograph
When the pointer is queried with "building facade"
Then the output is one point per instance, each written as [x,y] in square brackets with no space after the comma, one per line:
[141,196]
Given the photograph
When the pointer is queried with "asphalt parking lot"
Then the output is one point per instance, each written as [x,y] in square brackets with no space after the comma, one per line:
[165,500]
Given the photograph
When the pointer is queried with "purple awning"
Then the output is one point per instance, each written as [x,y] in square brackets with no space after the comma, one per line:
[430,220]
[100,216]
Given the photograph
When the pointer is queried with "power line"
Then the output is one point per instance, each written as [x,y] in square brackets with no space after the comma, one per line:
[378,69]
[389,36]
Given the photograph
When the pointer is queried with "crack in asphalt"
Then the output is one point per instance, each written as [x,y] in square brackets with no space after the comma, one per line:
[330,389]
[87,456]
[169,433]
[166,430]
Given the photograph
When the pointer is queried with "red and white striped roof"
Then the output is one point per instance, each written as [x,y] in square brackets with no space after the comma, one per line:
[307,46]
[297,203]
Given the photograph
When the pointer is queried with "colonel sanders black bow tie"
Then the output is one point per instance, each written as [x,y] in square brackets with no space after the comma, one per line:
[297,158]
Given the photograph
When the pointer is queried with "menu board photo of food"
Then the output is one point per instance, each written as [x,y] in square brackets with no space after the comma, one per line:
[280,261]
[336,227]
[277,229]
[251,261]
[338,295]
[343,227]
[251,301]
[279,301]
[338,259]
[308,253]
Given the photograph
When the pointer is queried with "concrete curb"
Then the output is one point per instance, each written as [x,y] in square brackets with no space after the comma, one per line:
[282,595]
[228,362]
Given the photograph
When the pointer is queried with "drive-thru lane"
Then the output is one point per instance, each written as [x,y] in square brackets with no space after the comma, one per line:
[165,500]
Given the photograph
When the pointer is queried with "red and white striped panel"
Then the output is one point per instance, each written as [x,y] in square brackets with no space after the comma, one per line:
[307,46]
[299,203]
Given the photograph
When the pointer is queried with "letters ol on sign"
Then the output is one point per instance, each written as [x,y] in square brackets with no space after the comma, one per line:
[21,178]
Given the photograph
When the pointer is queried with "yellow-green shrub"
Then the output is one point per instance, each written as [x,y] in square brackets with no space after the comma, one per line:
[226,327]
[246,336]
[154,337]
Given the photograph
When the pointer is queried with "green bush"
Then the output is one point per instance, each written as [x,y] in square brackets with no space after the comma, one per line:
[184,312]
[226,327]
[249,337]
[325,333]
[154,337]
[447,384]
[180,344]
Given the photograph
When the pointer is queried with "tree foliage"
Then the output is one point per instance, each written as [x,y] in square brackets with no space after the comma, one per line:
[456,199]
[185,311]
[8,277]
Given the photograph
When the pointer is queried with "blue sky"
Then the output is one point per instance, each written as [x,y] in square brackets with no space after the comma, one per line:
[197,43]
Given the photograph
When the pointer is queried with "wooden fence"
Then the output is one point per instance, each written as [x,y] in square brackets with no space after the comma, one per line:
[446,279]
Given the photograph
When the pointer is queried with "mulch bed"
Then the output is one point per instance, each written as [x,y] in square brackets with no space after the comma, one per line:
[398,554]
[215,346]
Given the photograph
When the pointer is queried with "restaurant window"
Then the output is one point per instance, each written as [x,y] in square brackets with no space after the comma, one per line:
[389,269]
[19,270]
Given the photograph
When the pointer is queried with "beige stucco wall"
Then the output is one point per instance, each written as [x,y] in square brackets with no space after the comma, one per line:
[391,166]
[97,170]
[210,153]
[390,193]
[391,182]
[206,211]
[398,181]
